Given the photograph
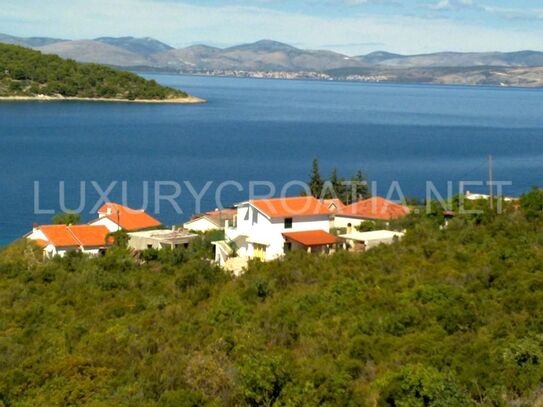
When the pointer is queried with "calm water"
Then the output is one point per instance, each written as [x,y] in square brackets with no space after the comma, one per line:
[264,130]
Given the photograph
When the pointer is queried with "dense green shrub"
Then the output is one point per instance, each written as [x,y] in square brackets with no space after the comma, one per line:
[446,317]
[25,72]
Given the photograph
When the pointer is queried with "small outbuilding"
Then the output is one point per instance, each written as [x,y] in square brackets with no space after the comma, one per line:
[159,239]
[361,241]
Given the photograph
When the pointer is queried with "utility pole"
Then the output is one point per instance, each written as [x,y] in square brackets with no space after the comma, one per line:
[490,182]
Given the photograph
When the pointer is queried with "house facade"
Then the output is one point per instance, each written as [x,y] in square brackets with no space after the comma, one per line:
[266,229]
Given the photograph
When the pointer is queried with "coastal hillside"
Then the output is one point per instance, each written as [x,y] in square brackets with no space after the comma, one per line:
[28,73]
[267,58]
[446,317]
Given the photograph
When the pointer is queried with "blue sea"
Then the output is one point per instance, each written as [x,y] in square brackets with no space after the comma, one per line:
[260,130]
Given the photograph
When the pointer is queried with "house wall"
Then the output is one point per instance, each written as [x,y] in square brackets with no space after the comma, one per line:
[52,251]
[37,234]
[201,225]
[141,243]
[341,221]
[108,223]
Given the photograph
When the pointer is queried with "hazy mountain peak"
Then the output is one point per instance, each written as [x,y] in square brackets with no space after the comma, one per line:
[143,46]
[30,42]
[383,54]
[264,46]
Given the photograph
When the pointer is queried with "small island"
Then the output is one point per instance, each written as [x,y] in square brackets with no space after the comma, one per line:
[30,75]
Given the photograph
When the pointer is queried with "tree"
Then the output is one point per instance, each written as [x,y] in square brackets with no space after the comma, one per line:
[418,385]
[532,203]
[315,181]
[69,218]
[357,189]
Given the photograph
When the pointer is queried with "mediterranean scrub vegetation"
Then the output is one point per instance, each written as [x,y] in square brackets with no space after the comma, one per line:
[25,72]
[449,316]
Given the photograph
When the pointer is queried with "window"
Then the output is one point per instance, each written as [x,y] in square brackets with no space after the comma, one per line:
[255,216]
[287,247]
[288,223]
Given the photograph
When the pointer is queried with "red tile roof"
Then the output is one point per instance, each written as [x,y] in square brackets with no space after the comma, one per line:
[41,243]
[74,236]
[336,202]
[127,218]
[291,207]
[375,208]
[311,237]
[59,235]
[90,236]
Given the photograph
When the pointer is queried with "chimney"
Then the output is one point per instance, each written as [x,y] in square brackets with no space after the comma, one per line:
[34,227]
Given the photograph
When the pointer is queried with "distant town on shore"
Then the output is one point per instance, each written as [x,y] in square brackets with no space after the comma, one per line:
[272,59]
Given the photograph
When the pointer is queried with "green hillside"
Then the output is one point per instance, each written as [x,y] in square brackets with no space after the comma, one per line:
[447,317]
[24,72]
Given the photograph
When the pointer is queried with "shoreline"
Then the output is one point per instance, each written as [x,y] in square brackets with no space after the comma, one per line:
[43,98]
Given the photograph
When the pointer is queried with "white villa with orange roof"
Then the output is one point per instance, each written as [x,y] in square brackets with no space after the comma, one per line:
[267,228]
[60,239]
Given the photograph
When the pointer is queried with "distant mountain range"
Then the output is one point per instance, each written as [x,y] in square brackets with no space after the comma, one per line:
[272,56]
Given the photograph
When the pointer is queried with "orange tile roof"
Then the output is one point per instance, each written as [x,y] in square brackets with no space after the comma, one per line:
[90,236]
[41,243]
[74,236]
[127,218]
[59,235]
[311,237]
[291,207]
[375,208]
[334,202]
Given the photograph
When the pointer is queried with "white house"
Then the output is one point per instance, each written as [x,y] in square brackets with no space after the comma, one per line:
[360,241]
[159,239]
[212,220]
[117,217]
[60,239]
[267,228]
[477,197]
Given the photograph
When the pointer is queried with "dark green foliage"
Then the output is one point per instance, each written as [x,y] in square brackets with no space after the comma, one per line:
[532,203]
[446,317]
[420,386]
[315,181]
[371,225]
[24,72]
[67,219]
[348,192]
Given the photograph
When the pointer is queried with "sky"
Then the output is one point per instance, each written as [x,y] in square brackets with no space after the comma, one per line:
[353,27]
